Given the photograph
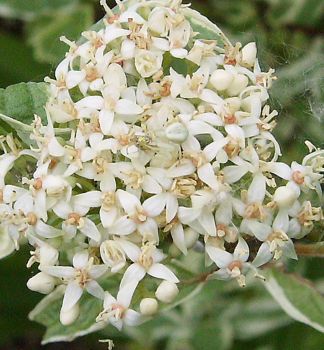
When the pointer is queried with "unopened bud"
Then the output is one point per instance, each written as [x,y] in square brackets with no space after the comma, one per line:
[221,79]
[239,83]
[177,132]
[191,237]
[167,292]
[284,197]
[70,316]
[249,53]
[149,306]
[42,283]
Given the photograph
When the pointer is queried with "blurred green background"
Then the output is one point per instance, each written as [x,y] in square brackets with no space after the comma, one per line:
[290,38]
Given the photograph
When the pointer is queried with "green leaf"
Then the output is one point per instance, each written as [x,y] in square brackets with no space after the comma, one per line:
[19,103]
[27,10]
[297,297]
[202,25]
[48,310]
[44,32]
[22,101]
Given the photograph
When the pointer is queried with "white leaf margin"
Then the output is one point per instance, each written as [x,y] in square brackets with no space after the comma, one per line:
[279,295]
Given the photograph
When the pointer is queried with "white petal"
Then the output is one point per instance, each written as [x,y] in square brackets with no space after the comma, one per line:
[124,106]
[178,237]
[161,271]
[88,199]
[131,249]
[95,102]
[207,175]
[90,230]
[234,173]
[133,318]
[72,295]
[150,185]
[149,227]
[257,189]
[241,251]
[123,226]
[128,201]
[73,78]
[47,231]
[108,217]
[134,272]
[263,256]
[260,230]
[154,205]
[185,167]
[207,221]
[95,289]
[187,215]
[55,149]
[171,207]
[115,33]
[219,256]
[125,294]
[59,271]
[106,119]
[213,148]
[281,221]
[98,270]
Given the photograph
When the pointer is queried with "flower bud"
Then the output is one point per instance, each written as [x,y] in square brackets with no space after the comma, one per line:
[221,79]
[239,83]
[42,283]
[167,292]
[70,316]
[249,53]
[149,306]
[284,197]
[191,237]
[177,132]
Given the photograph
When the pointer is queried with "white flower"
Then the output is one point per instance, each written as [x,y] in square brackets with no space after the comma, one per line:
[79,278]
[138,217]
[113,255]
[230,265]
[146,260]
[275,240]
[147,62]
[75,219]
[117,311]
[161,20]
[204,203]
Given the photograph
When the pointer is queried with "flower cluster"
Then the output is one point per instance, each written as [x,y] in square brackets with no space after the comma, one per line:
[170,146]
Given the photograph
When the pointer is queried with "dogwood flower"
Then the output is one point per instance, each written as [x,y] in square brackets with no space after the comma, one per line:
[80,277]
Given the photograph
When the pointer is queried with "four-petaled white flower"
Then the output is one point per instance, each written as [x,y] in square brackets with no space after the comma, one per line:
[116,310]
[80,277]
[146,260]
